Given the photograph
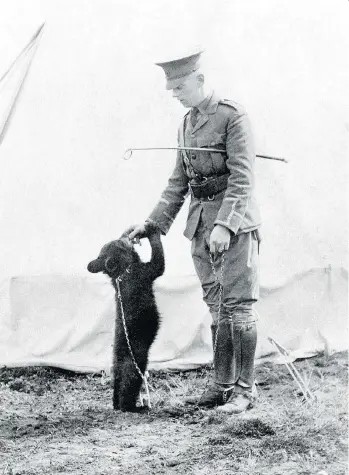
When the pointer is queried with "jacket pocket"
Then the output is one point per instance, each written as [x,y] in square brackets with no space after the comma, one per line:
[212,140]
[216,159]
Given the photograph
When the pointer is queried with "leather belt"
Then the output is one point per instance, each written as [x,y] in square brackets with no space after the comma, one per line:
[209,187]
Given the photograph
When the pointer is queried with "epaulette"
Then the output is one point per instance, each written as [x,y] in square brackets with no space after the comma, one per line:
[228,102]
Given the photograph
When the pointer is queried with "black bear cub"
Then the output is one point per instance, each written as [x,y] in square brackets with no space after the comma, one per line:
[122,264]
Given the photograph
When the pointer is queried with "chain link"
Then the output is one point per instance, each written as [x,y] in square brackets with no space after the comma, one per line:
[220,299]
[220,302]
[143,376]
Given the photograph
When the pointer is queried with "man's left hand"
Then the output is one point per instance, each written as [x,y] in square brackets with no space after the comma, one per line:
[219,240]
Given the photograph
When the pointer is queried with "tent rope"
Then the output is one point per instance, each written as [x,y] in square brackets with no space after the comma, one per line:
[303,386]
[31,46]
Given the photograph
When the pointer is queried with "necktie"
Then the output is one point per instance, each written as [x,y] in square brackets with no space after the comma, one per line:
[194,116]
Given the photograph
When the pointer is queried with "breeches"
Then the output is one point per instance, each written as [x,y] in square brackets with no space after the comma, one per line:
[240,278]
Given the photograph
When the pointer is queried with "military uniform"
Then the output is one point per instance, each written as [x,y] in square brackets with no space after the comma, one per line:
[224,126]
[221,188]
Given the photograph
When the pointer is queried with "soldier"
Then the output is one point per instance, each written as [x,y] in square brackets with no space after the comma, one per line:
[222,225]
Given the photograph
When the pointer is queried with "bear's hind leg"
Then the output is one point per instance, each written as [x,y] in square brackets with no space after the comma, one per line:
[116,389]
[130,385]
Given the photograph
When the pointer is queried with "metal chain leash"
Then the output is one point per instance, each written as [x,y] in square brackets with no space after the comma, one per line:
[220,298]
[220,302]
[143,376]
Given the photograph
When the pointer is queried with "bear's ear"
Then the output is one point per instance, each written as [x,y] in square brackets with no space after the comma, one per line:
[96,266]
[111,264]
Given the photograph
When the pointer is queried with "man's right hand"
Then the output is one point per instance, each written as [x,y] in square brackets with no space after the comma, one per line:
[136,231]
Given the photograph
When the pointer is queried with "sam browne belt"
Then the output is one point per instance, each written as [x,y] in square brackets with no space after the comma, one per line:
[209,187]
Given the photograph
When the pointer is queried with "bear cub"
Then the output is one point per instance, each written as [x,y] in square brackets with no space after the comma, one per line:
[119,260]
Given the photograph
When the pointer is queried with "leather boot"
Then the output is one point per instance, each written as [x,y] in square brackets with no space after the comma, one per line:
[212,396]
[239,401]
[226,353]
[226,368]
[248,338]
[244,393]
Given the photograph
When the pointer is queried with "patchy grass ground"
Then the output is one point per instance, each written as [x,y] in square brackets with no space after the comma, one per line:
[58,422]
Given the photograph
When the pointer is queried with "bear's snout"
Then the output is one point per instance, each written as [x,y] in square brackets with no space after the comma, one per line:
[95,266]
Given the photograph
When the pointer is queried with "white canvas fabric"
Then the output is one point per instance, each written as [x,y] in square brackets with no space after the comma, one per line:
[92,92]
[68,321]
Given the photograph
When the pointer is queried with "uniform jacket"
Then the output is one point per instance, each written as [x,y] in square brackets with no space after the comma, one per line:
[223,125]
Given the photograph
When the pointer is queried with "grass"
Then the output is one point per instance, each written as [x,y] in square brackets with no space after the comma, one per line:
[54,421]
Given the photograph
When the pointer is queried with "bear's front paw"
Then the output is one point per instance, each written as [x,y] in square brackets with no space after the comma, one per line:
[151,228]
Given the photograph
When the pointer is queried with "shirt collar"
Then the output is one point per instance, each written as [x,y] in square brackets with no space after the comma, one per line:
[209,104]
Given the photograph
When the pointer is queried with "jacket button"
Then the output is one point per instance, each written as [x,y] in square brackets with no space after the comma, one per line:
[193,156]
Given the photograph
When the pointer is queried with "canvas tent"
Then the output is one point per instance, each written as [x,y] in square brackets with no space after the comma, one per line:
[92,92]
